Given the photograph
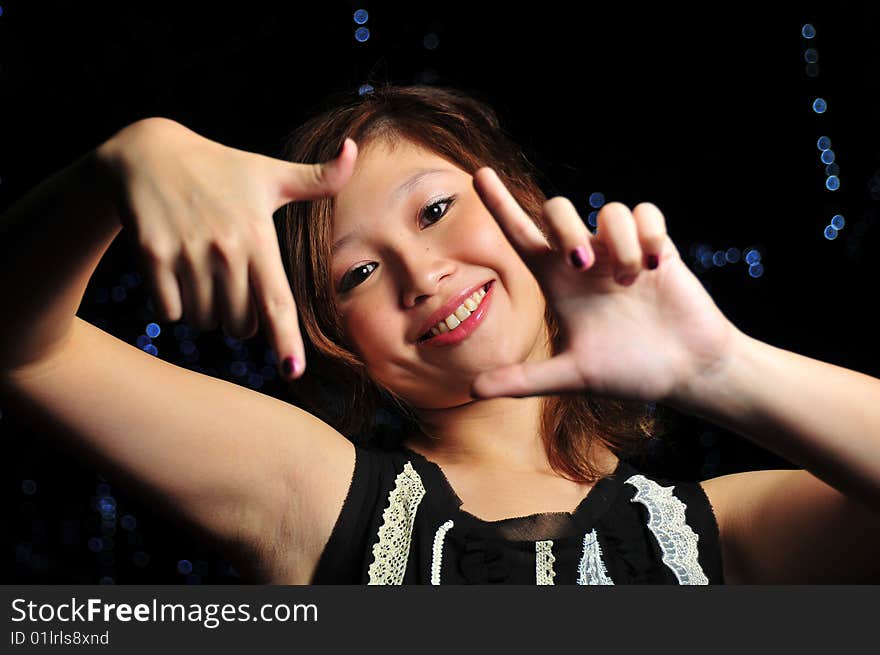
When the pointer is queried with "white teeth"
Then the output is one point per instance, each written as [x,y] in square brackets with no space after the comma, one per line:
[464,310]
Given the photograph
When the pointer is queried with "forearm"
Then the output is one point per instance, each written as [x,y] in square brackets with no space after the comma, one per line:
[51,241]
[819,416]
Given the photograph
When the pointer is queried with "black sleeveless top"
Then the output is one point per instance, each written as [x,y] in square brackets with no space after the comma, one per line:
[402,523]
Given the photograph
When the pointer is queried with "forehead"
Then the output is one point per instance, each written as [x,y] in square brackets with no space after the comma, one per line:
[385,173]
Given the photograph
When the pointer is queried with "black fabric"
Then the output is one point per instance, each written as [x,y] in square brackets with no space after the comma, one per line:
[503,552]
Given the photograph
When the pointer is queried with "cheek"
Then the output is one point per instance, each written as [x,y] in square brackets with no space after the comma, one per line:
[368,332]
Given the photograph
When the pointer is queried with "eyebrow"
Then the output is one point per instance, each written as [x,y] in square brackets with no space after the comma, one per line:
[407,186]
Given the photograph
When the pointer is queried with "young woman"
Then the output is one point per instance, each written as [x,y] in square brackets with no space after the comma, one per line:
[431,277]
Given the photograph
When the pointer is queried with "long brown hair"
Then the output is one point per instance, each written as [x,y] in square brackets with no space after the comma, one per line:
[337,386]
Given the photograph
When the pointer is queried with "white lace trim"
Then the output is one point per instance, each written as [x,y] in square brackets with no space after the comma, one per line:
[437,559]
[591,569]
[391,551]
[544,559]
[667,521]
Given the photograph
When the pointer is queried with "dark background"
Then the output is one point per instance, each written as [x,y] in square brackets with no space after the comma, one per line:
[705,112]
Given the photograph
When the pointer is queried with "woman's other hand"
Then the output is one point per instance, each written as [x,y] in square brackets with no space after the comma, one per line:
[637,324]
[200,214]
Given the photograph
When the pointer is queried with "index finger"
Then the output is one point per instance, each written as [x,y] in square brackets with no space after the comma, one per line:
[519,229]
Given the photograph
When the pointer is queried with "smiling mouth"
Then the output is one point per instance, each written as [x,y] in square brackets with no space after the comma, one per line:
[427,335]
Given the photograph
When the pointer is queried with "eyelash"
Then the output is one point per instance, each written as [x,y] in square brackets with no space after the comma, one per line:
[450,200]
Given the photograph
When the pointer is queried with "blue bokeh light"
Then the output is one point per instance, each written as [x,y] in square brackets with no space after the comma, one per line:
[153,330]
[719,258]
[597,199]
[752,257]
[361,34]
[107,505]
[1,11]
[238,368]
[827,156]
[830,232]
[128,522]
[837,222]
[361,16]
[365,88]
[732,255]
[832,169]
[820,106]
[756,270]
[143,340]
[185,567]
[808,31]
[106,579]
[811,55]
[150,348]
[28,487]
[96,545]
[591,218]
[832,183]
[823,143]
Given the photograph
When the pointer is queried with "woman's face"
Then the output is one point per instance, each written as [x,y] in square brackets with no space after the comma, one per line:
[416,234]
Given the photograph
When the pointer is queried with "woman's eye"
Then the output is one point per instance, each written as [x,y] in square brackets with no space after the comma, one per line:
[431,212]
[434,213]
[346,283]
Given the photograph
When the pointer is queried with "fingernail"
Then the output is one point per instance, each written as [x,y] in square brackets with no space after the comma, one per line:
[290,366]
[579,257]
[653,262]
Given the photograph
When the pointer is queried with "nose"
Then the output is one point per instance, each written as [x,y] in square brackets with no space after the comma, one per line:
[423,275]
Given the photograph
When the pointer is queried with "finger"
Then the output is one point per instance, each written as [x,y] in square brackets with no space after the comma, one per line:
[617,231]
[569,234]
[651,228]
[276,307]
[519,229]
[166,289]
[237,312]
[197,288]
[309,181]
[556,375]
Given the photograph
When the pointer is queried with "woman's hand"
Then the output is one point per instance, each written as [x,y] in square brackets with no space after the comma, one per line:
[200,214]
[630,332]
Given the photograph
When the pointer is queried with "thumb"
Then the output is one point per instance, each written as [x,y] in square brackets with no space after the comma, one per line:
[311,181]
[556,375]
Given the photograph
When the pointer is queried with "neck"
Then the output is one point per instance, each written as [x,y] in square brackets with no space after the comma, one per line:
[502,433]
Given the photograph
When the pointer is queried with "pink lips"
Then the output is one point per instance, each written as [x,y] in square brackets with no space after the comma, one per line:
[467,326]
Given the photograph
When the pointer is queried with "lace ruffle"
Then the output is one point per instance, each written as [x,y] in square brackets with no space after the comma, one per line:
[678,541]
[437,559]
[391,551]
[591,570]
[544,559]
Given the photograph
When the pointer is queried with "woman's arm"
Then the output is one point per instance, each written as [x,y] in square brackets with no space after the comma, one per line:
[822,417]
[51,242]
[262,478]
[819,525]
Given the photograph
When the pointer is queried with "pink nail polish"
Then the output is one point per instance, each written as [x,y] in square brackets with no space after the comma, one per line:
[580,258]
[290,366]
